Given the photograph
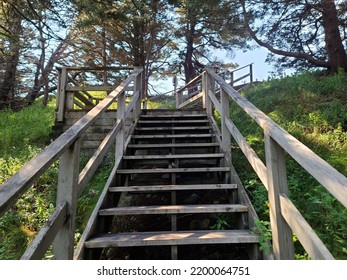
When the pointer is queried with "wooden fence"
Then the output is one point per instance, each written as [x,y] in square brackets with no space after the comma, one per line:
[284,216]
[60,227]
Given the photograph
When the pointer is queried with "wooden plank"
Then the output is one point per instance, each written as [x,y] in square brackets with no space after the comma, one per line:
[179,145]
[215,101]
[306,235]
[63,245]
[173,170]
[171,121]
[44,238]
[173,187]
[88,171]
[256,163]
[177,156]
[173,128]
[156,136]
[173,238]
[191,82]
[173,116]
[84,99]
[190,100]
[99,68]
[174,209]
[89,88]
[62,94]
[12,189]
[328,176]
[282,237]
[132,104]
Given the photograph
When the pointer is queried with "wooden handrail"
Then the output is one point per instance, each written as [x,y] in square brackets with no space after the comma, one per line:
[284,216]
[60,226]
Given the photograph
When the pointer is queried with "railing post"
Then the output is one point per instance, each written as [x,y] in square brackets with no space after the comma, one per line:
[63,245]
[120,138]
[208,83]
[225,102]
[251,73]
[61,94]
[282,238]
[138,88]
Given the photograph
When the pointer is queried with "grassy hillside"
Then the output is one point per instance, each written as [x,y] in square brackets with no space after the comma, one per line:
[313,109]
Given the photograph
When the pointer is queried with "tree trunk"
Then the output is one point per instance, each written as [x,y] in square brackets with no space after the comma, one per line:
[334,46]
[189,70]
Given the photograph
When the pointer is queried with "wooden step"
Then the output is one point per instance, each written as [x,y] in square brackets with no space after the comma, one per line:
[171,121]
[177,145]
[174,209]
[173,170]
[174,116]
[161,136]
[173,188]
[172,238]
[161,128]
[179,156]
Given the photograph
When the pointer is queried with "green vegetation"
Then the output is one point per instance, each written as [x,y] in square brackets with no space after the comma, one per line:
[312,108]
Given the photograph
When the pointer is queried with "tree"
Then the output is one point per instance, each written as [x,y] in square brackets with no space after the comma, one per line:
[305,33]
[205,25]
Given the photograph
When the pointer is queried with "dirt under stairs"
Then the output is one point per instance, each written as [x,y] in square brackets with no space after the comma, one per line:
[175,196]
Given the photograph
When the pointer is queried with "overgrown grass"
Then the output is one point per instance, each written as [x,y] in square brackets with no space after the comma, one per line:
[313,108]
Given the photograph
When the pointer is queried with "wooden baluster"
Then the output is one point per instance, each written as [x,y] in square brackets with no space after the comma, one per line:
[138,88]
[120,139]
[225,102]
[282,239]
[63,245]
[251,73]
[61,94]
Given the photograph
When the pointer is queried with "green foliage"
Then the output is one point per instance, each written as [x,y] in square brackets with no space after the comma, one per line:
[265,236]
[312,108]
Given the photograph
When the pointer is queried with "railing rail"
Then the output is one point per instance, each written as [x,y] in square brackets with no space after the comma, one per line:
[284,216]
[66,148]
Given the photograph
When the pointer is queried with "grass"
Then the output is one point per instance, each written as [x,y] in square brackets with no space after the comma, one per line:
[313,108]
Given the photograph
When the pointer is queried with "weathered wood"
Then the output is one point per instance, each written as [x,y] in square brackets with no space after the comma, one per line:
[306,235]
[61,94]
[89,88]
[82,98]
[179,145]
[46,235]
[156,136]
[97,158]
[176,156]
[173,170]
[173,187]
[191,82]
[173,128]
[225,105]
[120,137]
[132,104]
[169,116]
[171,121]
[256,163]
[100,68]
[215,101]
[172,238]
[63,245]
[282,238]
[174,209]
[329,177]
[190,100]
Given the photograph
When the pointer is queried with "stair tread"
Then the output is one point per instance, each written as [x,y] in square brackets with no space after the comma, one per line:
[173,128]
[172,238]
[177,145]
[175,116]
[172,170]
[177,156]
[173,187]
[156,136]
[174,209]
[172,121]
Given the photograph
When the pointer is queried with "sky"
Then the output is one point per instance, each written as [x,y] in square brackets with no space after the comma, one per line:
[261,69]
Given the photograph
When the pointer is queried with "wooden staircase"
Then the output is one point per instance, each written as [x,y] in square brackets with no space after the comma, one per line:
[172,189]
